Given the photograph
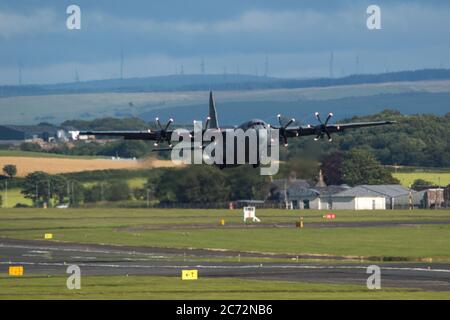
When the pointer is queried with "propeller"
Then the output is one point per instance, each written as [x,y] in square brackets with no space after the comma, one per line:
[282,128]
[205,127]
[163,134]
[321,129]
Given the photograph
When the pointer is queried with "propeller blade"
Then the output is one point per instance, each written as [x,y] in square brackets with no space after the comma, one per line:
[158,122]
[317,137]
[207,122]
[328,135]
[289,123]
[168,124]
[328,118]
[279,119]
[318,117]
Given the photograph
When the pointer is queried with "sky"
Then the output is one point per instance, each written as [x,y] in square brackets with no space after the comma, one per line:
[295,38]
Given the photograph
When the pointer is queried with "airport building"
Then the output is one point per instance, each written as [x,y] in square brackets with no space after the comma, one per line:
[299,194]
[358,198]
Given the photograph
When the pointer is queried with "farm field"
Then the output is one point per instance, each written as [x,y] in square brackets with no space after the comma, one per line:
[32,154]
[55,165]
[438,178]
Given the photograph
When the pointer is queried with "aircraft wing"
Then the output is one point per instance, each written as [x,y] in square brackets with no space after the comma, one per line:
[325,129]
[332,128]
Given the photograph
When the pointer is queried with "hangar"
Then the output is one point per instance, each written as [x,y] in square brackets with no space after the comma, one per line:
[396,196]
[313,198]
[300,195]
[358,198]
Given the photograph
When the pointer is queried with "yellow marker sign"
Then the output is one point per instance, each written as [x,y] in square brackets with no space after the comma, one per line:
[48,236]
[189,274]
[16,271]
[222,222]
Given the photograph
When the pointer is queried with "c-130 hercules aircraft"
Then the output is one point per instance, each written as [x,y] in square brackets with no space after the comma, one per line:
[285,130]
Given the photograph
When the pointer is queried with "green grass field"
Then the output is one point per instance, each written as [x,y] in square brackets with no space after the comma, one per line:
[137,182]
[134,227]
[145,287]
[437,178]
[14,196]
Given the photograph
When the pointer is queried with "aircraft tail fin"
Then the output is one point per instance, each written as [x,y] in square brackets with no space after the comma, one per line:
[213,123]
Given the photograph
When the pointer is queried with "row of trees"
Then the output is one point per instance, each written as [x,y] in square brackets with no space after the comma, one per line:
[357,166]
[203,183]
[206,184]
[43,188]
[122,148]
[416,140]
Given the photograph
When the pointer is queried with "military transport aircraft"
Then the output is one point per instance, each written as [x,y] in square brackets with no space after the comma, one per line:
[286,130]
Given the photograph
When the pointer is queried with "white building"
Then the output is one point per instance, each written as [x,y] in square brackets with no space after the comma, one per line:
[358,198]
[363,197]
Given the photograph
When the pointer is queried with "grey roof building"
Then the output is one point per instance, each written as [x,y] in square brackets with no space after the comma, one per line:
[301,195]
[279,188]
[396,195]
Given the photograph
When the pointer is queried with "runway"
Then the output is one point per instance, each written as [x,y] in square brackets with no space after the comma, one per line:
[53,258]
[321,225]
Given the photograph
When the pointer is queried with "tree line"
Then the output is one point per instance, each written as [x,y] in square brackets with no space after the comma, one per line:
[416,140]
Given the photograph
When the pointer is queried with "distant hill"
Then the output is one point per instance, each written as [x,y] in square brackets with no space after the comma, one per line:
[147,84]
[303,110]
[217,82]
[233,106]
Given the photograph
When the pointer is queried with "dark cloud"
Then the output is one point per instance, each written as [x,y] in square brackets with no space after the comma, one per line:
[297,36]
